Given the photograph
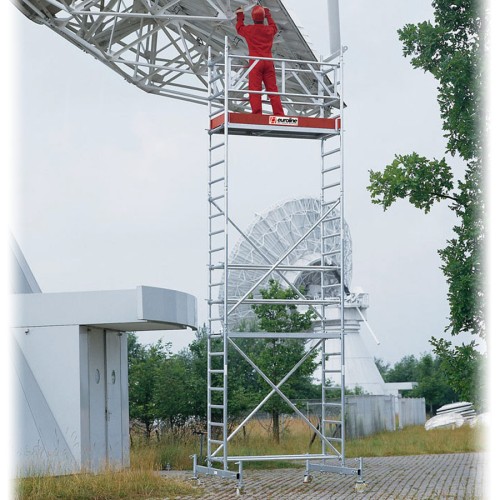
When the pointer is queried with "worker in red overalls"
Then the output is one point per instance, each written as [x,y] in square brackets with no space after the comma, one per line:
[259,38]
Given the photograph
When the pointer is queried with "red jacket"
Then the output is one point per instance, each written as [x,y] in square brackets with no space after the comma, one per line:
[259,37]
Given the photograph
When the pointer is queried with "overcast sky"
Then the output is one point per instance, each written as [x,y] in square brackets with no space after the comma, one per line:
[111,181]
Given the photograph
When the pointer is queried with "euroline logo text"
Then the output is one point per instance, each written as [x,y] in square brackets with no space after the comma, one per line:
[283,120]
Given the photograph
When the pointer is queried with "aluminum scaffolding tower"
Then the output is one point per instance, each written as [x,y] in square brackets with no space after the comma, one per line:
[227,78]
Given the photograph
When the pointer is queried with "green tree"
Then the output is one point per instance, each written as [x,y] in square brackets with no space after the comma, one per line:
[430,376]
[403,371]
[174,395]
[432,383]
[144,367]
[275,357]
[450,50]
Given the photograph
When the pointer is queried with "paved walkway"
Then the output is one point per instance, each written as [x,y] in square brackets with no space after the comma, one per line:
[426,477]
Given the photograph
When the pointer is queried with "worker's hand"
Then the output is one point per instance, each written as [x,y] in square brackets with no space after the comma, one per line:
[267,11]
[238,10]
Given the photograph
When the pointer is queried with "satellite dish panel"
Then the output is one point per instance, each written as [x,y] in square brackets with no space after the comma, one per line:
[272,234]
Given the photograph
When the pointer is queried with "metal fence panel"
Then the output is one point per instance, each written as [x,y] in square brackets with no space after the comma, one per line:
[411,412]
[366,415]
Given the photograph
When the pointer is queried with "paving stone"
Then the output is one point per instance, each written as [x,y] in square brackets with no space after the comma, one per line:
[421,477]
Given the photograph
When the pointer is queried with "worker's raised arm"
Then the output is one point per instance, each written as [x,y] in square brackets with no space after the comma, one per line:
[240,20]
[270,20]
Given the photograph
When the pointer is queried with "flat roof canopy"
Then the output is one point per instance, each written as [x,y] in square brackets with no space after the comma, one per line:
[145,308]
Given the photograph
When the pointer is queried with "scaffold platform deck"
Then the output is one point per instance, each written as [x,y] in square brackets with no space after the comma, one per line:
[298,127]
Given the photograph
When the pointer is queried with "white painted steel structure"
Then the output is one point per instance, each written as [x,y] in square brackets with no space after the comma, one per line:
[161,46]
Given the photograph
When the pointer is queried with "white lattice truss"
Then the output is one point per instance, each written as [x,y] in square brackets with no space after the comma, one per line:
[161,45]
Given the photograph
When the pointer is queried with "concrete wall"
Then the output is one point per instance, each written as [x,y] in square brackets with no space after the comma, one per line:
[72,399]
[47,389]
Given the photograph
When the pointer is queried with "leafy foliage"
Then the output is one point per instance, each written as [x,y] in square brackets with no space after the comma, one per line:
[276,357]
[144,366]
[461,365]
[450,50]
[431,378]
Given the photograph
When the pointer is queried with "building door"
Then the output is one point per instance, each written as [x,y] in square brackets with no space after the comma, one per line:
[114,408]
[97,456]
[106,400]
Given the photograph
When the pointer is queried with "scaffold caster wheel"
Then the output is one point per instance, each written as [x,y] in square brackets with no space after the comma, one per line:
[308,478]
[360,486]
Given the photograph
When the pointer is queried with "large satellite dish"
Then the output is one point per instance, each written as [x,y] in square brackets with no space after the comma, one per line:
[270,236]
[161,46]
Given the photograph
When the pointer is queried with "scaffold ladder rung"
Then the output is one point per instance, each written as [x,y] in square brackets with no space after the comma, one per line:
[334,421]
[219,283]
[216,181]
[328,219]
[334,235]
[334,439]
[327,204]
[330,169]
[331,152]
[330,186]
[216,441]
[215,250]
[216,146]
[219,162]
[215,198]
[215,233]
[332,252]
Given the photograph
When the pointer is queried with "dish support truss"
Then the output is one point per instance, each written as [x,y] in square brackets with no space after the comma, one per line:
[161,46]
[226,76]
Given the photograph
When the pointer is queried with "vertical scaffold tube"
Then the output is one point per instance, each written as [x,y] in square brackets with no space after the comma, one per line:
[209,294]
[342,267]
[227,75]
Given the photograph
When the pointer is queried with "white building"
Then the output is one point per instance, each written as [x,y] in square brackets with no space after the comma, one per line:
[71,383]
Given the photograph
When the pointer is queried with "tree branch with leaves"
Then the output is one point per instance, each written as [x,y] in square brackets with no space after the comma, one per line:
[450,49]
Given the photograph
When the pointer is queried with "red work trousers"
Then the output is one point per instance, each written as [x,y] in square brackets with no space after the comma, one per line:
[264,72]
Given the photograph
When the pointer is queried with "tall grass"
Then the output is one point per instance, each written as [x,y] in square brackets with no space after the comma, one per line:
[417,441]
[174,449]
[140,481]
[130,484]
